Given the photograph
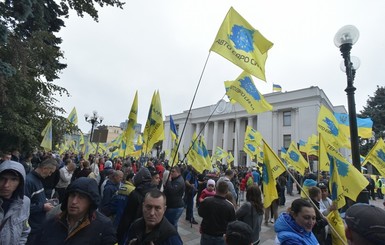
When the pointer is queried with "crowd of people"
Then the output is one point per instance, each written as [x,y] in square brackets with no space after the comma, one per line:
[50,199]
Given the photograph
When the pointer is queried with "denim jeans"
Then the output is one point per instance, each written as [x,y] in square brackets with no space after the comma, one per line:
[212,240]
[173,215]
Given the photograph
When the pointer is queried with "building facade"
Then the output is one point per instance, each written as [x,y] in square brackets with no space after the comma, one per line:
[294,118]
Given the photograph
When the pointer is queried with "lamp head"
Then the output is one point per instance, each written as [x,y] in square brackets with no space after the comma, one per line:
[355,63]
[348,34]
[86,116]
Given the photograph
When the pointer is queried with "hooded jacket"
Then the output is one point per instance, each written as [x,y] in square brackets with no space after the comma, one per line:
[95,229]
[290,233]
[15,222]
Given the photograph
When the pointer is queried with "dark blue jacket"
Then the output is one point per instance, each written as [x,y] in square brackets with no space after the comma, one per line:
[35,191]
[110,189]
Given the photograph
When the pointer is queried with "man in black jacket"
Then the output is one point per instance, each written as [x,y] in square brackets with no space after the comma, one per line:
[174,189]
[153,228]
[216,212]
[79,223]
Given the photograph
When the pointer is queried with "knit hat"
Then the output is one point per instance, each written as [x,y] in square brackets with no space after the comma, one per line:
[211,182]
[368,221]
[108,164]
[239,232]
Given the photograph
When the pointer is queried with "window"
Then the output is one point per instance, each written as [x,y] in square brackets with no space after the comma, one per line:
[287,118]
[286,140]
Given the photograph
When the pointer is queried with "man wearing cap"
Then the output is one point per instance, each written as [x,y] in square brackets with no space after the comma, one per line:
[110,190]
[14,206]
[79,222]
[153,227]
[365,224]
[34,189]
[238,233]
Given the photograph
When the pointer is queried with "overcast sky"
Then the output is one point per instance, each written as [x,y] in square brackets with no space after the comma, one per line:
[163,45]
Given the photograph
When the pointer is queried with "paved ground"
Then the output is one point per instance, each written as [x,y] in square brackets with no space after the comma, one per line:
[190,234]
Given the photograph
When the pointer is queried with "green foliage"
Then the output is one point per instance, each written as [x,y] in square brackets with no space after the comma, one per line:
[30,61]
[375,109]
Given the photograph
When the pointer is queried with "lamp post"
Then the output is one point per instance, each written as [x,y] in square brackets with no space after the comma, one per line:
[344,40]
[95,119]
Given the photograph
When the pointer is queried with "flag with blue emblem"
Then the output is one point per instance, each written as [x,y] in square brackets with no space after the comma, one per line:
[272,168]
[364,125]
[352,180]
[283,152]
[241,44]
[328,126]
[73,117]
[243,91]
[219,153]
[376,156]
[46,143]
[154,129]
[312,145]
[252,142]
[295,159]
[198,156]
[302,146]
[335,186]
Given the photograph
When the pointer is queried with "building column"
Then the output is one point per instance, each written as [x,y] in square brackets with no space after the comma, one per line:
[225,139]
[215,136]
[237,143]
[198,128]
[206,132]
[249,123]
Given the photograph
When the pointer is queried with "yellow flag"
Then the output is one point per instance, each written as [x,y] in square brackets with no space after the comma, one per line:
[312,145]
[198,155]
[81,140]
[376,156]
[129,133]
[335,186]
[295,159]
[252,141]
[352,180]
[46,143]
[324,164]
[243,91]
[269,173]
[275,163]
[230,158]
[328,126]
[73,117]
[336,222]
[220,153]
[241,44]
[154,129]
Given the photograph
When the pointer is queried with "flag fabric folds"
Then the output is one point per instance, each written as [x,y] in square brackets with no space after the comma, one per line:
[219,153]
[241,44]
[198,156]
[154,129]
[252,141]
[364,125]
[295,159]
[73,117]
[277,88]
[352,180]
[46,143]
[243,91]
[337,223]
[271,169]
[335,186]
[376,157]
[328,126]
[173,130]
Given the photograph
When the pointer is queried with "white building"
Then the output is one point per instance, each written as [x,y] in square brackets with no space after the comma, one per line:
[294,117]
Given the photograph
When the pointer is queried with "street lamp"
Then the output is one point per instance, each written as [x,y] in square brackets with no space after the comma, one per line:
[344,40]
[95,119]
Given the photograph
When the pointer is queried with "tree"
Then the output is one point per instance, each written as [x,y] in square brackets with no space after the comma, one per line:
[375,109]
[30,61]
